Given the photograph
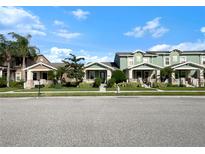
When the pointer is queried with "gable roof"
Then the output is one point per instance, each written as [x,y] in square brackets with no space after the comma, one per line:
[40,63]
[105,64]
[147,64]
[187,63]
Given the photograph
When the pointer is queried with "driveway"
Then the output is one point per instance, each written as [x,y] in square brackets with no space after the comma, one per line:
[102,121]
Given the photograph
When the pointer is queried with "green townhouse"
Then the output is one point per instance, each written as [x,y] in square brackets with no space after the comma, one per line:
[144,67]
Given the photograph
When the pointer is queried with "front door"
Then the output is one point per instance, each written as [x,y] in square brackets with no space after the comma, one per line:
[146,75]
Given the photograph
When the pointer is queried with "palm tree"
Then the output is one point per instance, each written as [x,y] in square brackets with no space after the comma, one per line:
[8,50]
[25,50]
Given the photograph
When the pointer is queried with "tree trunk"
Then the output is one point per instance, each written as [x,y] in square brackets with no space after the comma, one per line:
[8,74]
[23,67]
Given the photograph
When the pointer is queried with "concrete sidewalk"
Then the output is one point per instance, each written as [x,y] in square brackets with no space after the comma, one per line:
[20,92]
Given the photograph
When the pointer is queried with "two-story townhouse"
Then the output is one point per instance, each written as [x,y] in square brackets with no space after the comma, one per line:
[145,67]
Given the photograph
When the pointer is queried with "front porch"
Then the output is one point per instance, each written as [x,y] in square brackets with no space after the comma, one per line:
[188,74]
[91,75]
[144,73]
[97,70]
[37,74]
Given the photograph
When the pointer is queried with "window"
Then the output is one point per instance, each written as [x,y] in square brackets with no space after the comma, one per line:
[18,76]
[167,61]
[203,60]
[45,75]
[145,59]
[34,76]
[130,61]
[91,74]
[182,59]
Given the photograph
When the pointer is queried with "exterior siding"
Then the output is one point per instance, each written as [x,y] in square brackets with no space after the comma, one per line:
[123,63]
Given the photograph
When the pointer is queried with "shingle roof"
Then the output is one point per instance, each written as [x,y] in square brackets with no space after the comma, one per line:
[111,64]
[56,65]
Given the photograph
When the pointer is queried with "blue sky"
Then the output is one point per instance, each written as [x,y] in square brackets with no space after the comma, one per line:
[96,33]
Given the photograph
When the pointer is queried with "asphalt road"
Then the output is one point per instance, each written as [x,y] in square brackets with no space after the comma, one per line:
[103,121]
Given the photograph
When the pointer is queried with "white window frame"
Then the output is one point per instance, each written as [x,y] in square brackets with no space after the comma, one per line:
[146,61]
[182,57]
[165,61]
[203,60]
[130,61]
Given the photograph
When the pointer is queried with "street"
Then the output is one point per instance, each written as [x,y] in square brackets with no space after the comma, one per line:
[103,121]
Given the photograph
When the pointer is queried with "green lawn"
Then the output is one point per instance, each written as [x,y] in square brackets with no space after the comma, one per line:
[7,89]
[105,94]
[131,89]
[60,89]
[183,88]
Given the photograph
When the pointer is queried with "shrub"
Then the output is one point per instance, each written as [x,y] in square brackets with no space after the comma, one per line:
[15,84]
[41,86]
[119,76]
[159,85]
[97,82]
[111,83]
[70,84]
[85,85]
[2,82]
[133,84]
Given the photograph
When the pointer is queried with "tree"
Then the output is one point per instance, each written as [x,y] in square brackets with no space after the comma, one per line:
[74,68]
[8,50]
[119,76]
[24,49]
[166,73]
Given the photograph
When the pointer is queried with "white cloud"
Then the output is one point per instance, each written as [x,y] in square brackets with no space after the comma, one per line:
[58,54]
[64,33]
[198,45]
[152,27]
[80,14]
[202,29]
[58,23]
[94,58]
[15,19]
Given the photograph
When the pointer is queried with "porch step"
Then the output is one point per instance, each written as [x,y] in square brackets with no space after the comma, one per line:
[102,88]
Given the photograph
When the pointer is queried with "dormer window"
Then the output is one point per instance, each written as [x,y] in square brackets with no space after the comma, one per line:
[166,61]
[182,59]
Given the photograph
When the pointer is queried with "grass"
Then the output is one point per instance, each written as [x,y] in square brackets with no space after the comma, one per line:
[60,89]
[7,89]
[131,89]
[183,88]
[105,94]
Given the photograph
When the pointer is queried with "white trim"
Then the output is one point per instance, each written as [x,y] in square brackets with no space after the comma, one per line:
[148,59]
[188,63]
[165,60]
[40,63]
[144,63]
[87,65]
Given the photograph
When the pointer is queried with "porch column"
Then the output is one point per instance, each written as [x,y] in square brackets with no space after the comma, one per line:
[109,74]
[29,83]
[201,77]
[130,75]
[1,73]
[85,75]
[173,78]
[158,75]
